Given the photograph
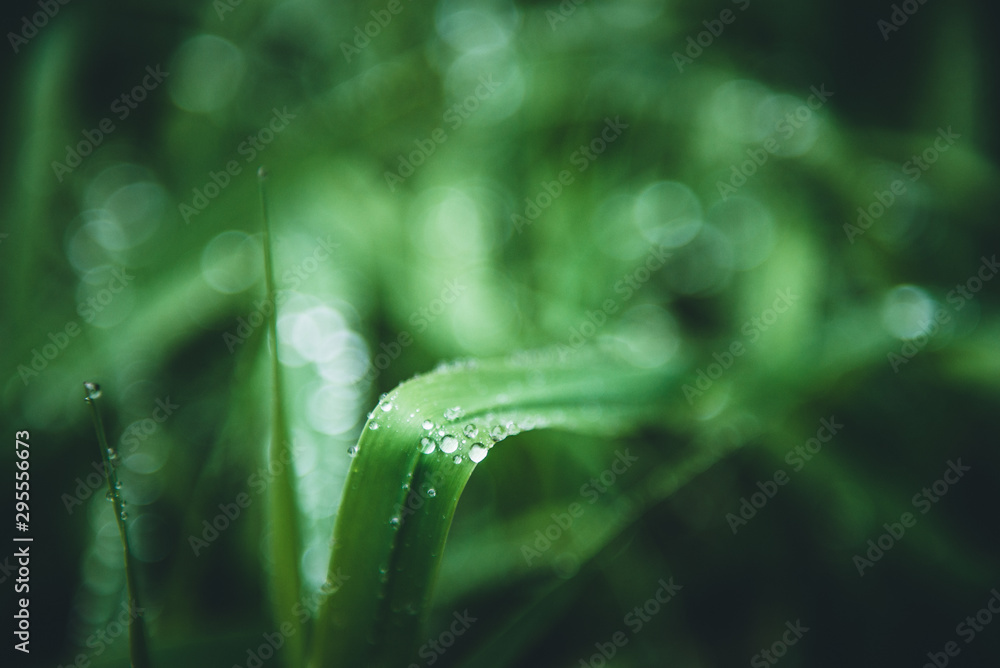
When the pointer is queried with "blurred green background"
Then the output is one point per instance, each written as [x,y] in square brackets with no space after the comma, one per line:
[440,187]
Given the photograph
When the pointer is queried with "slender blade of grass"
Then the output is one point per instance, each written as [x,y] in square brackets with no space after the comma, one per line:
[138,649]
[282,510]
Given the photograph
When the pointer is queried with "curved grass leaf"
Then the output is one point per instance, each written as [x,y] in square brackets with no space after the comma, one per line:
[401,495]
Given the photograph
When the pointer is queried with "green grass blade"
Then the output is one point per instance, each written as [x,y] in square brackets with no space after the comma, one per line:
[282,510]
[138,649]
[399,501]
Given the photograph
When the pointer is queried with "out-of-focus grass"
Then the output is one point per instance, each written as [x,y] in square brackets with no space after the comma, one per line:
[439,259]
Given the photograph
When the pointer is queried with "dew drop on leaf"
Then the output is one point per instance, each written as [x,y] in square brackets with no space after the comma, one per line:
[454,413]
[124,516]
[431,492]
[394,522]
[497,433]
[93,391]
[477,452]
[428,425]
[457,459]
[353,450]
[426,445]
[449,443]
[373,425]
[471,430]
[386,406]
[109,496]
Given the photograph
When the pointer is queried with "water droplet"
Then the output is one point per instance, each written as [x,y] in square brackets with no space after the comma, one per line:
[373,425]
[426,445]
[109,496]
[457,459]
[353,450]
[454,413]
[124,516]
[428,425]
[431,492]
[471,430]
[386,407]
[394,522]
[93,391]
[449,443]
[497,433]
[477,452]
[118,484]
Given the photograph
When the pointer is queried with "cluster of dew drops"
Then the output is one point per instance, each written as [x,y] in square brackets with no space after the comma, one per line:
[94,393]
[447,436]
